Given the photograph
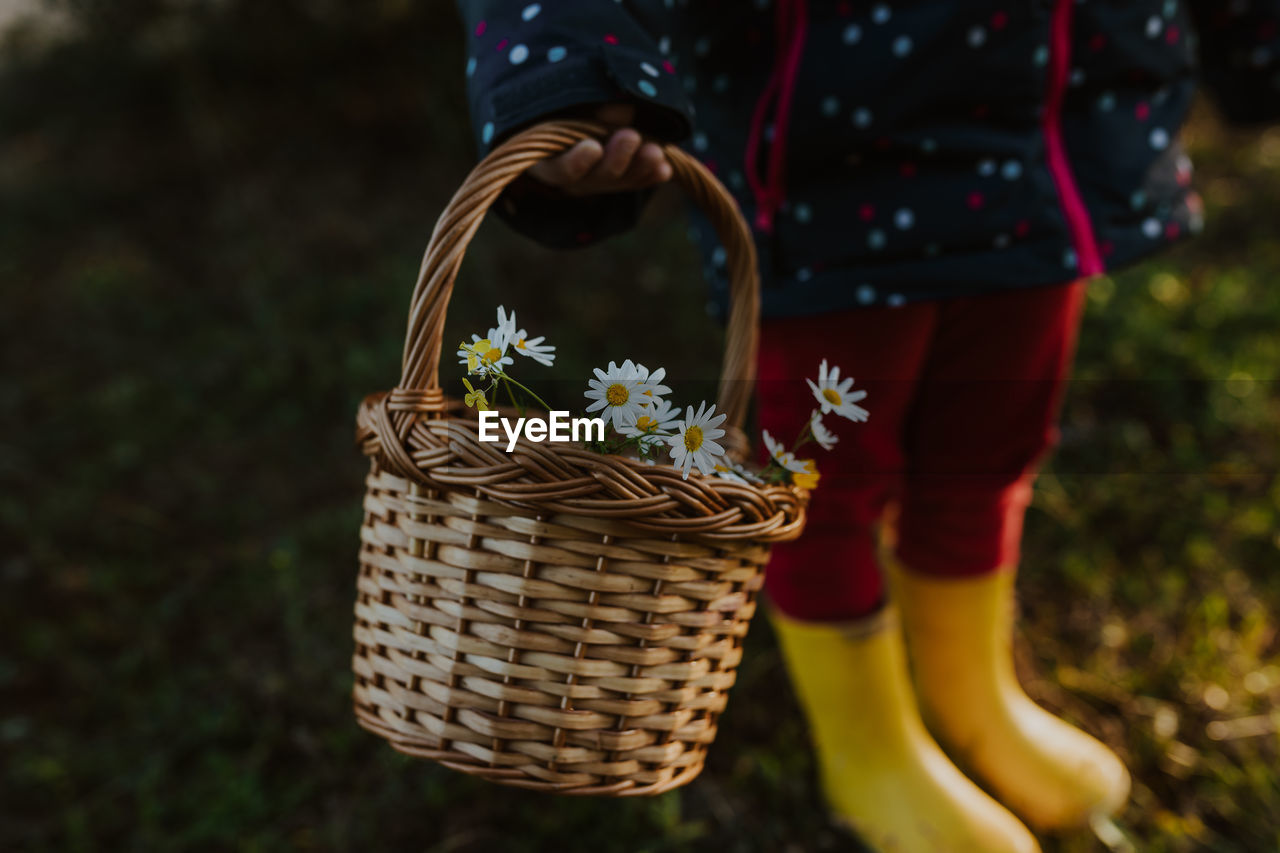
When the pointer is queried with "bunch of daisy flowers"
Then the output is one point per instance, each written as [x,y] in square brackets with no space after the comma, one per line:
[834,396]
[640,420]
[487,359]
[632,400]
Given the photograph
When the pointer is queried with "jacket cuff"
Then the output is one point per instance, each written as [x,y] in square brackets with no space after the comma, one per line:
[560,221]
[597,75]
[604,74]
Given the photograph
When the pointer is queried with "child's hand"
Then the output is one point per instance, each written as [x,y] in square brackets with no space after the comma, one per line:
[624,162]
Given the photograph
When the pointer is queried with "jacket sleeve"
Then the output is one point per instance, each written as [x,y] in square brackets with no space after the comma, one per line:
[1240,56]
[527,63]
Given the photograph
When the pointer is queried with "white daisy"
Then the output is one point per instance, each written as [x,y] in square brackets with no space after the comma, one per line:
[695,440]
[504,335]
[834,396]
[534,348]
[826,438]
[621,392]
[482,356]
[724,472]
[735,473]
[655,424]
[781,455]
[654,389]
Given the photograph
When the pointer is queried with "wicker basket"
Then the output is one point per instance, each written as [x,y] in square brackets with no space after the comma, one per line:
[553,618]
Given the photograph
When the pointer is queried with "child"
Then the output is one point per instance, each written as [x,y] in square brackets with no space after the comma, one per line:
[929,184]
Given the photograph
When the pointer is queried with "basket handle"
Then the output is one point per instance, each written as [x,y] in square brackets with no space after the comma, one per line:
[458,223]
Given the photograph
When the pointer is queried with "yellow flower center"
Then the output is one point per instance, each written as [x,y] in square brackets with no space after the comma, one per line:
[520,344]
[493,355]
[831,396]
[692,438]
[616,395]
[644,422]
[808,479]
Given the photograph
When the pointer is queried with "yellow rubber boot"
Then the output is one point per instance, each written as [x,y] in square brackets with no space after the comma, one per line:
[959,634]
[882,774]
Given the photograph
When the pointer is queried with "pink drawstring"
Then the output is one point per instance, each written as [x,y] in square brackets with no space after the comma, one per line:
[1088,254]
[770,193]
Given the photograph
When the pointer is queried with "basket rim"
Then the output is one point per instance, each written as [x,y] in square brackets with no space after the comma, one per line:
[444,452]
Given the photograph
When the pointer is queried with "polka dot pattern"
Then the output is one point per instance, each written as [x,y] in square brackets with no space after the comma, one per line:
[870,182]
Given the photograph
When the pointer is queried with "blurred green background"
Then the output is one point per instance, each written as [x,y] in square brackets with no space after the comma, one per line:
[211,216]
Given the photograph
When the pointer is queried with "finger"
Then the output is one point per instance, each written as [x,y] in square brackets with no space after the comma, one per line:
[570,167]
[648,167]
[581,159]
[644,168]
[618,152]
[617,115]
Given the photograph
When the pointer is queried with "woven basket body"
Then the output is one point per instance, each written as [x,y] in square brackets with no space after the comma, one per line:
[552,618]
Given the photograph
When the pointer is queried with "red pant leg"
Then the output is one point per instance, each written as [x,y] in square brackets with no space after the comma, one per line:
[985,414]
[831,572]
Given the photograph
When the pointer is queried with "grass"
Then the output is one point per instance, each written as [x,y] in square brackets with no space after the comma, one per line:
[209,227]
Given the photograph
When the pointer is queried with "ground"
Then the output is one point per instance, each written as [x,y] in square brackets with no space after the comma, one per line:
[210,222]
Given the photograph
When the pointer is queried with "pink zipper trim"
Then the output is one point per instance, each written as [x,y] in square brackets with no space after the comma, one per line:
[770,193]
[1088,258]
[782,119]
[764,215]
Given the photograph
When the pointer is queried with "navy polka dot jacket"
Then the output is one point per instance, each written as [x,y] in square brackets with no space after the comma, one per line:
[889,152]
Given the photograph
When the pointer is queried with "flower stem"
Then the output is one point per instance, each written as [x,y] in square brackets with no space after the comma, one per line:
[511,395]
[803,438]
[540,401]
